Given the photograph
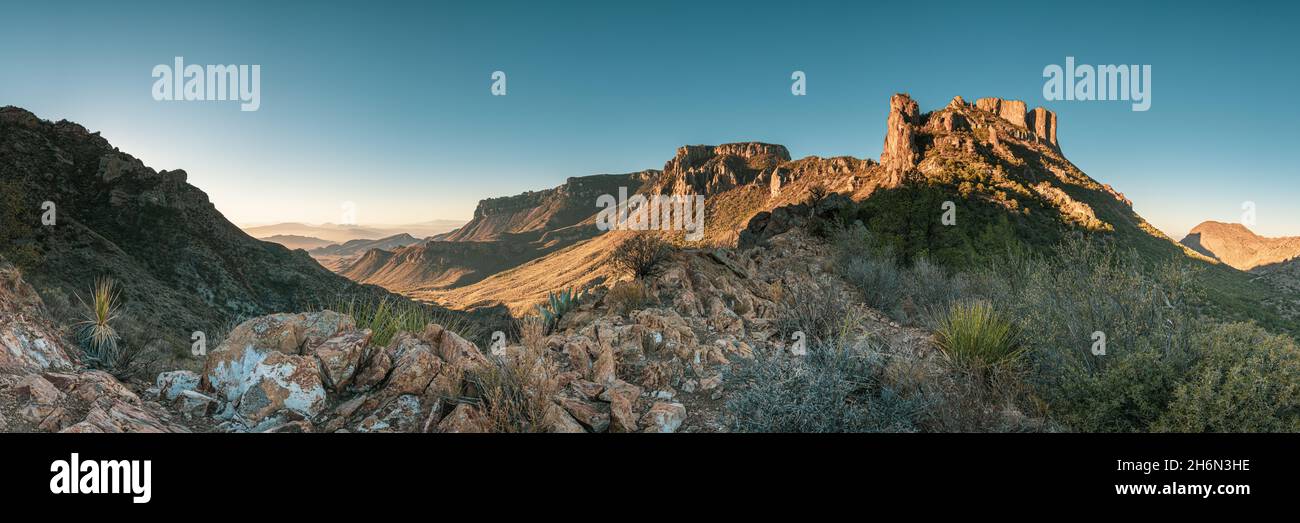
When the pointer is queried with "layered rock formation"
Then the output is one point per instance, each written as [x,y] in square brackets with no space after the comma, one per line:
[534,213]
[713,169]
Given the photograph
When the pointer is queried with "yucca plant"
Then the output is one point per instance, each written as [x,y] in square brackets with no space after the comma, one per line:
[96,334]
[975,337]
[557,305]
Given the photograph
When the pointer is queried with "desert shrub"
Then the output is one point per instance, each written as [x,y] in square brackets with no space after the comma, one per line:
[532,332]
[829,390]
[386,316]
[557,305]
[975,337]
[642,255]
[928,289]
[1247,381]
[1083,287]
[824,317]
[869,266]
[516,390]
[627,296]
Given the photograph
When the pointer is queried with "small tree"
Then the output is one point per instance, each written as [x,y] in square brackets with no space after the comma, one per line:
[642,255]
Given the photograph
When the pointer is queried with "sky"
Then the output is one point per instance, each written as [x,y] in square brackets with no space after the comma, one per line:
[388,105]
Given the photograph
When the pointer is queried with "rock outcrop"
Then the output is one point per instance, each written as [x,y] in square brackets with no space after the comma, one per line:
[901,152]
[43,386]
[712,169]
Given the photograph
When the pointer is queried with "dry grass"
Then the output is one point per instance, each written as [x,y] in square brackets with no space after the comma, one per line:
[628,296]
[516,390]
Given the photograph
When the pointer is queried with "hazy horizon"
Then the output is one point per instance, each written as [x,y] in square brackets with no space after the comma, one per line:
[390,109]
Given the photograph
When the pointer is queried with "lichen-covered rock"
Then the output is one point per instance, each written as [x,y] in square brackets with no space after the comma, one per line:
[171,384]
[256,383]
[29,341]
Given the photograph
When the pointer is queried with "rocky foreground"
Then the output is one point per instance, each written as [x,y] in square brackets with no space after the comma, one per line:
[655,368]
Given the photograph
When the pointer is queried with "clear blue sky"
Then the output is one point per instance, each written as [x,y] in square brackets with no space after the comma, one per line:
[388,105]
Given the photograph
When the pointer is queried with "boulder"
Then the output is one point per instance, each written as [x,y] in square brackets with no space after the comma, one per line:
[558,420]
[340,357]
[171,384]
[664,417]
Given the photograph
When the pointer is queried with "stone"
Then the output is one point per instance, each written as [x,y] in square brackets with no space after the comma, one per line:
[587,389]
[664,417]
[340,357]
[37,398]
[621,417]
[558,420]
[171,384]
[192,404]
[605,369]
[594,416]
[464,419]
[282,383]
[414,366]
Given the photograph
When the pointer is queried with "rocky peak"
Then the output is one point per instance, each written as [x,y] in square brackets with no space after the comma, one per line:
[901,151]
[709,169]
[1040,122]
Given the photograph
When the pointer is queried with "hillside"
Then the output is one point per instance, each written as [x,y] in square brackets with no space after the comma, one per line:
[180,265]
[1237,246]
[1000,162]
[505,232]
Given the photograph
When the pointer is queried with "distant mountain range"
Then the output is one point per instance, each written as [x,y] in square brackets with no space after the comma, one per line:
[335,233]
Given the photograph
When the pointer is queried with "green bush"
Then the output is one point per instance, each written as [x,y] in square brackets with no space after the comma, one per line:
[824,317]
[829,390]
[1247,381]
[975,337]
[1059,301]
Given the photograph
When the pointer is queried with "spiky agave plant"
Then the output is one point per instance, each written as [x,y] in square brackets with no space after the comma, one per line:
[557,305]
[97,336]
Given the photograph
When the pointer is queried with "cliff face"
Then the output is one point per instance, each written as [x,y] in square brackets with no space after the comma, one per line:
[538,212]
[712,169]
